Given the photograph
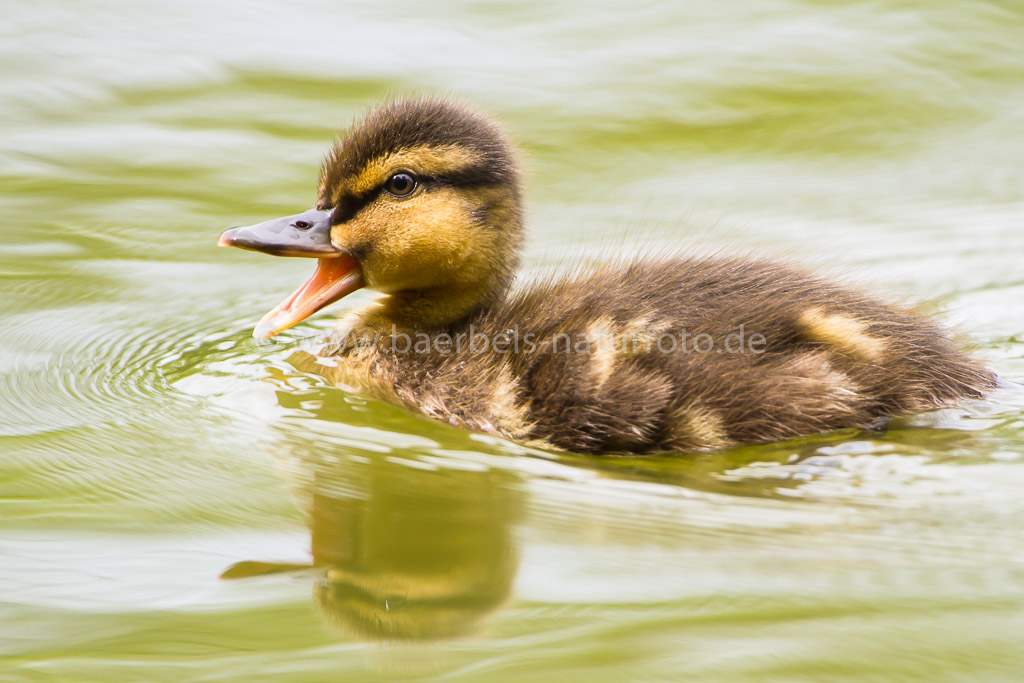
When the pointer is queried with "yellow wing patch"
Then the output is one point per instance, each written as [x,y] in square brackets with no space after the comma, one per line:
[511,418]
[842,333]
[695,425]
[602,342]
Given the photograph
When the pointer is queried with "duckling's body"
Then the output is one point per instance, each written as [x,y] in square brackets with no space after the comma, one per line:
[599,361]
[643,355]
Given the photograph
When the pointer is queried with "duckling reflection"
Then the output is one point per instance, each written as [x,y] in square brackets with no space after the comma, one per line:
[405,553]
[419,554]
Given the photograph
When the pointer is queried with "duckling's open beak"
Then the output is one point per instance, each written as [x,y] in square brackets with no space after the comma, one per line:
[306,234]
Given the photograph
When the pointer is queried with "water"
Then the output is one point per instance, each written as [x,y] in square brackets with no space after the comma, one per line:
[149,445]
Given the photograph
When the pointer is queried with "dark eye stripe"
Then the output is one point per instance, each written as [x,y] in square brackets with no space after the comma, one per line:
[349,205]
[473,176]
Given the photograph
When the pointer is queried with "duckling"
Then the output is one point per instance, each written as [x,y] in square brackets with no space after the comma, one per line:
[421,201]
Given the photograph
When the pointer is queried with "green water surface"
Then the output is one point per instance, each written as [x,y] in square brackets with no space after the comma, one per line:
[149,445]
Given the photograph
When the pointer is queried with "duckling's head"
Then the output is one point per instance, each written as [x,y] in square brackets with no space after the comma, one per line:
[419,200]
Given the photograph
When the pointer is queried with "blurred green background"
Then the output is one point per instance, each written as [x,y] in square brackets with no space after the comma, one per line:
[148,444]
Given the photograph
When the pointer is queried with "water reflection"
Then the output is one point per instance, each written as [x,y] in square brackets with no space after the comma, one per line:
[402,549]
[410,554]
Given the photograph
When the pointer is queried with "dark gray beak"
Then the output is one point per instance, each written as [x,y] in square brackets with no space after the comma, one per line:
[304,234]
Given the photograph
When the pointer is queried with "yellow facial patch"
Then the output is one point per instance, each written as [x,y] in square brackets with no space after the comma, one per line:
[842,333]
[424,160]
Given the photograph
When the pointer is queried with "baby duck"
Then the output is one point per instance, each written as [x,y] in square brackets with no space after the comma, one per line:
[421,201]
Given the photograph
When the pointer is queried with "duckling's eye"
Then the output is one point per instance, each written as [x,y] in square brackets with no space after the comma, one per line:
[401,184]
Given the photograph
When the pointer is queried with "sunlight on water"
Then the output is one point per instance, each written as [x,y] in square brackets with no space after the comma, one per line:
[180,502]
